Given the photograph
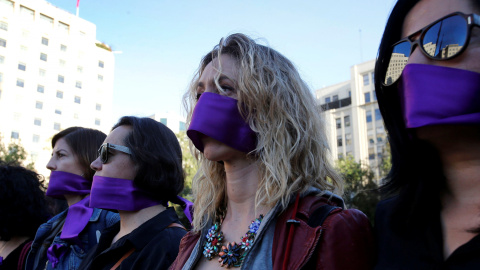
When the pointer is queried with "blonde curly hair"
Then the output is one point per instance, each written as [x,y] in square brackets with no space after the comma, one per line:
[291,146]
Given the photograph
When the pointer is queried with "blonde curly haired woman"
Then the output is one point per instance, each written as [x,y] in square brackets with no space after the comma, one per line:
[265,192]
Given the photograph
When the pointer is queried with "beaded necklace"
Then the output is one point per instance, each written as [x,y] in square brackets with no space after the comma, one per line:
[233,253]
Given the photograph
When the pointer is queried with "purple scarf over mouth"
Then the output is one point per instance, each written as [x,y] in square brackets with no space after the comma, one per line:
[78,214]
[436,95]
[217,116]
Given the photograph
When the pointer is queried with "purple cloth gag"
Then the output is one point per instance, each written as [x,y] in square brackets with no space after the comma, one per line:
[120,194]
[217,116]
[77,219]
[436,95]
[1,260]
[62,183]
[55,252]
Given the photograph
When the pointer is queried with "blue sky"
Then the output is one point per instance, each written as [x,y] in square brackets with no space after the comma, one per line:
[163,41]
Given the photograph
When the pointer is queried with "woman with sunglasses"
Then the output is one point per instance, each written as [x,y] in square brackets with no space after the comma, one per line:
[64,240]
[264,192]
[139,169]
[428,88]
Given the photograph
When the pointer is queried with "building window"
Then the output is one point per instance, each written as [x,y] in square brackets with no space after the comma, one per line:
[15,135]
[367,97]
[20,83]
[2,59]
[3,26]
[335,98]
[57,111]
[64,27]
[371,153]
[46,20]
[63,48]
[1,77]
[378,115]
[3,43]
[80,69]
[45,41]
[369,116]
[379,139]
[56,126]
[36,138]
[374,95]
[40,88]
[42,72]
[97,122]
[182,126]
[27,13]
[43,57]
[61,79]
[6,4]
[346,120]
[327,100]
[100,78]
[77,99]
[163,121]
[22,66]
[37,122]
[338,123]
[39,105]
[373,76]
[98,107]
[339,141]
[348,139]
[59,94]
[340,156]
[366,80]
[62,62]
[78,84]
[101,64]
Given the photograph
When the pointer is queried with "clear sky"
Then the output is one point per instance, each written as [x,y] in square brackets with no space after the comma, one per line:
[163,41]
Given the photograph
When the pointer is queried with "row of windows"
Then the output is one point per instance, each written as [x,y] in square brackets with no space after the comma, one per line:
[378,115]
[368,96]
[39,104]
[56,126]
[335,97]
[346,120]
[366,78]
[348,140]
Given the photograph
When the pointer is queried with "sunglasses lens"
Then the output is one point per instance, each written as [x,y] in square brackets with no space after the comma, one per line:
[398,61]
[446,38]
[104,153]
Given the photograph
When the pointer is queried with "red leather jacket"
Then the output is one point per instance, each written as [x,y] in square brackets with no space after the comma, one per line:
[344,241]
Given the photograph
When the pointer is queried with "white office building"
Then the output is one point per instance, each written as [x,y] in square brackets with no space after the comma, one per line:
[354,123]
[172,120]
[54,74]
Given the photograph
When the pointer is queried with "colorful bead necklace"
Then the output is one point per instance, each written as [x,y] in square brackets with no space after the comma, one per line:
[233,253]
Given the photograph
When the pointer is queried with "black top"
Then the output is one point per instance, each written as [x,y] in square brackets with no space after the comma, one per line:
[11,261]
[421,249]
[156,246]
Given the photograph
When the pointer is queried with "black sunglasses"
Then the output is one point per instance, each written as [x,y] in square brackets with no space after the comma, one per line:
[103,150]
[443,39]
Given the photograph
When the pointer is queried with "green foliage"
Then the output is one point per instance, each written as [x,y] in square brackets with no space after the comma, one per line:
[190,167]
[360,188]
[15,153]
[386,161]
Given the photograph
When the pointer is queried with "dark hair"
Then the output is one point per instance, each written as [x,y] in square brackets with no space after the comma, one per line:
[157,154]
[84,143]
[416,175]
[23,206]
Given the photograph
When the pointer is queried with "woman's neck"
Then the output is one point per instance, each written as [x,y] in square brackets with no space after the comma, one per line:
[130,220]
[6,247]
[73,199]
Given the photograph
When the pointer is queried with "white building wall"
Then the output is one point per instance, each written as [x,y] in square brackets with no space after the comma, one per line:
[172,120]
[84,98]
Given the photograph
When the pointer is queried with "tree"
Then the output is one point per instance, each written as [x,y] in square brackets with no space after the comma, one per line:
[360,189]
[190,167]
[386,161]
[15,153]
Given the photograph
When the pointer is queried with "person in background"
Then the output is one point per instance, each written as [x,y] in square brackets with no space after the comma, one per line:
[138,171]
[427,78]
[264,194]
[23,208]
[64,240]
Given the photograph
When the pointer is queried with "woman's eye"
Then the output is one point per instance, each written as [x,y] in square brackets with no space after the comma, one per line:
[228,88]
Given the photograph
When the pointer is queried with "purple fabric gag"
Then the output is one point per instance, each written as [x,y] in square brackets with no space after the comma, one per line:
[77,219]
[62,183]
[120,194]
[55,252]
[217,116]
[435,95]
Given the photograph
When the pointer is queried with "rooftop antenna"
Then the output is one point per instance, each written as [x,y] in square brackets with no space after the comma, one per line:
[361,50]
[78,7]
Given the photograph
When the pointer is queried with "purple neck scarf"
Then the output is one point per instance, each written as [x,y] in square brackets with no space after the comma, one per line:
[120,194]
[218,117]
[62,183]
[435,95]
